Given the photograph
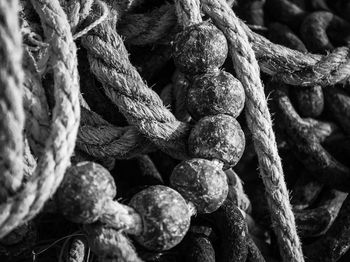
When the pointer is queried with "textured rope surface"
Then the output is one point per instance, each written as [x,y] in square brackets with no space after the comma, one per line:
[35,106]
[116,246]
[100,139]
[29,161]
[96,136]
[94,23]
[60,144]
[77,11]
[11,109]
[110,80]
[290,66]
[260,124]
[125,87]
[188,12]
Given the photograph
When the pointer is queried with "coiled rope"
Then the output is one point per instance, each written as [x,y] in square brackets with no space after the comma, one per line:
[30,198]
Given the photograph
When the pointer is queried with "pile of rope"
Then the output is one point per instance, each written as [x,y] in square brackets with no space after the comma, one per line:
[56,113]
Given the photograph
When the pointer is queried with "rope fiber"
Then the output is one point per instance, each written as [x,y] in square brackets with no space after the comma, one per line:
[29,200]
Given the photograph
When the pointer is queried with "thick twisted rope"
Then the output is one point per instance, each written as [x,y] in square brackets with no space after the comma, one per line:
[188,12]
[76,11]
[60,143]
[11,109]
[260,124]
[94,23]
[124,86]
[96,136]
[290,66]
[106,140]
[113,149]
[116,246]
[100,139]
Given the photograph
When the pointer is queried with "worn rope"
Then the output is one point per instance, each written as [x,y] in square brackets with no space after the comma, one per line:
[290,66]
[116,246]
[260,124]
[61,141]
[188,12]
[35,106]
[122,83]
[95,144]
[96,136]
[28,160]
[95,23]
[107,140]
[77,11]
[123,246]
[100,139]
[11,109]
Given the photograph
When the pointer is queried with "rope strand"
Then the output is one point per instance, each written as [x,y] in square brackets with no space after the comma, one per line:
[188,12]
[61,141]
[124,86]
[288,65]
[260,125]
[100,139]
[11,109]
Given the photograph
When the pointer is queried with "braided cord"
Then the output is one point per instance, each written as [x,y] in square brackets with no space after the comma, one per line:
[11,109]
[60,143]
[260,124]
[35,106]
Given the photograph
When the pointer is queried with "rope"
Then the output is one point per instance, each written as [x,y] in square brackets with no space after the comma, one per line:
[77,11]
[28,160]
[11,109]
[260,124]
[100,139]
[60,143]
[96,136]
[111,243]
[35,106]
[188,12]
[124,86]
[98,21]
[288,65]
[113,150]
